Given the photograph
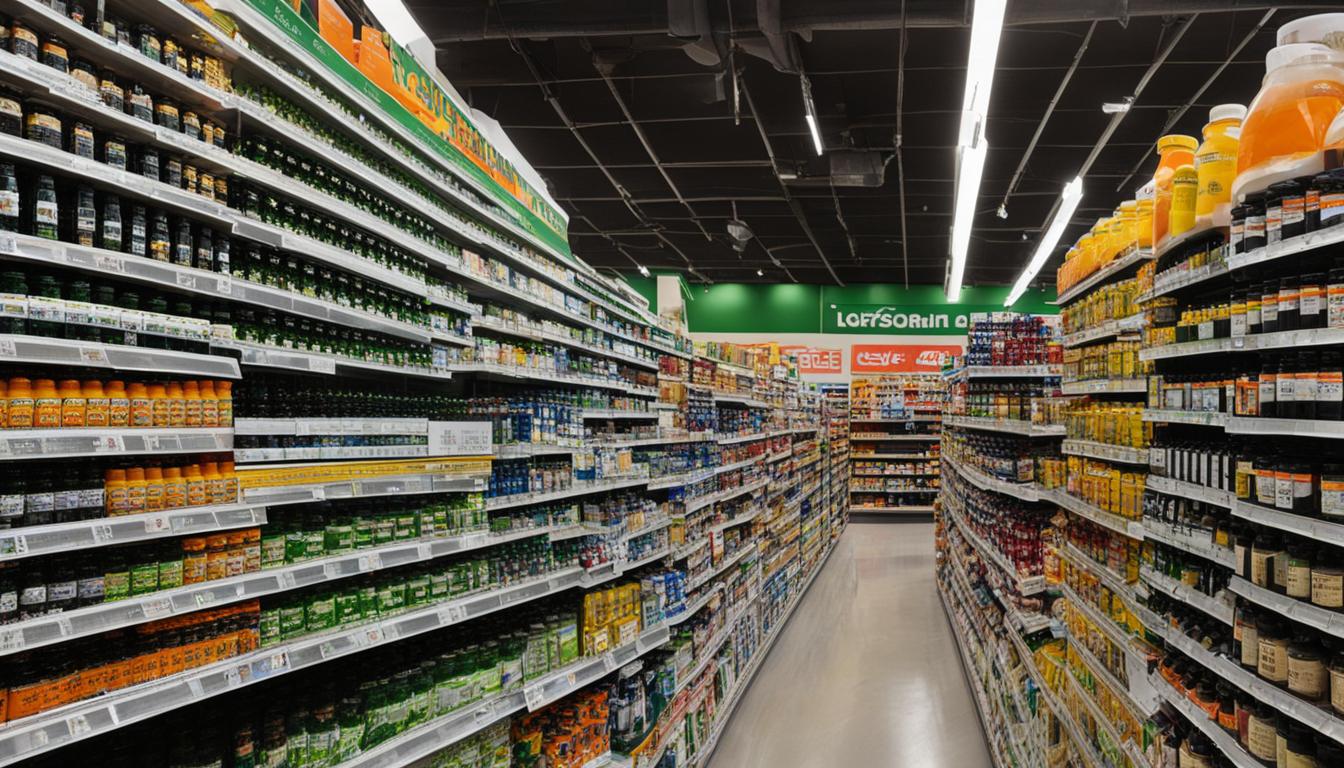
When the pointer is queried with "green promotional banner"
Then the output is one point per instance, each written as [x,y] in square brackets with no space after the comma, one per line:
[440,126]
[888,310]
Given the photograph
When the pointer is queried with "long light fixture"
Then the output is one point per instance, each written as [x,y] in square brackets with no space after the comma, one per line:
[986,26]
[810,113]
[1068,203]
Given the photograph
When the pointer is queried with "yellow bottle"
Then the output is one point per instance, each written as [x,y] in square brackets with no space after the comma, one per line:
[1143,223]
[1216,158]
[1175,150]
[1184,186]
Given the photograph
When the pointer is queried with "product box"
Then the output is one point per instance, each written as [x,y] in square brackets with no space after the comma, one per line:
[335,27]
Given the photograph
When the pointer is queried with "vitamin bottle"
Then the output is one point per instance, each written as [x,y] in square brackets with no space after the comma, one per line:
[96,404]
[230,476]
[19,411]
[174,488]
[191,404]
[158,406]
[209,404]
[135,490]
[118,404]
[1184,185]
[114,493]
[197,495]
[214,482]
[224,393]
[46,404]
[1216,158]
[177,405]
[154,489]
[140,406]
[1174,150]
[74,408]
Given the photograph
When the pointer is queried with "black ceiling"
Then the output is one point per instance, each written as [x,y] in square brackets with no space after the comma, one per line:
[640,143]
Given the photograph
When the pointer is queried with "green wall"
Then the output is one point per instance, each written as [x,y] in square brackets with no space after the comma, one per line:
[876,308]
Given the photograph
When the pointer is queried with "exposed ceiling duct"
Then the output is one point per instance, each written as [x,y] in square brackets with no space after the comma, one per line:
[849,168]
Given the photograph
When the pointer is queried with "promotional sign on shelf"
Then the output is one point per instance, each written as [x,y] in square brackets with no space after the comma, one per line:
[816,359]
[900,358]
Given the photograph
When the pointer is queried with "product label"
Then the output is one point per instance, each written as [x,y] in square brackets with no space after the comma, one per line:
[1236,233]
[9,204]
[1269,309]
[1273,665]
[1332,206]
[11,505]
[1311,303]
[1337,690]
[1239,324]
[1283,490]
[1299,581]
[1268,387]
[1307,678]
[1305,388]
[46,212]
[1327,589]
[1250,645]
[1284,388]
[1293,211]
[1332,496]
[1262,568]
[1273,223]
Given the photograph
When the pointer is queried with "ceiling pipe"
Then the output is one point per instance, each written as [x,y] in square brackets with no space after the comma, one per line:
[1049,110]
[793,204]
[466,21]
[900,139]
[1171,121]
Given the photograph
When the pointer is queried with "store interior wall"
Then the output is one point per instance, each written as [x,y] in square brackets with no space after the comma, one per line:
[838,331]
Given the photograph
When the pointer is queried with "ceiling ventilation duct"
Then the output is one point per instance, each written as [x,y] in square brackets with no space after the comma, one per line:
[848,168]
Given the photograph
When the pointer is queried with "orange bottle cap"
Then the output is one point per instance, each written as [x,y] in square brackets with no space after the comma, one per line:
[174,389]
[153,473]
[70,387]
[1177,141]
[191,387]
[135,473]
[155,390]
[93,387]
[115,476]
[172,473]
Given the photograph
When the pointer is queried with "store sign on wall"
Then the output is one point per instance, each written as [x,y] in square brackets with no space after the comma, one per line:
[816,359]
[890,319]
[900,358]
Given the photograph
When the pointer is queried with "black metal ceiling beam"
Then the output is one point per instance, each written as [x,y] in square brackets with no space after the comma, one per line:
[458,21]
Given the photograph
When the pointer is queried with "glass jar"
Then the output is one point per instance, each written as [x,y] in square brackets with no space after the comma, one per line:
[1272,664]
[1307,675]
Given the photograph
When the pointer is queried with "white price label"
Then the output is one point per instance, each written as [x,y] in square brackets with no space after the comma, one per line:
[13,545]
[224,285]
[233,676]
[38,739]
[157,608]
[319,493]
[204,598]
[370,636]
[64,626]
[7,348]
[370,562]
[322,365]
[197,690]
[107,263]
[485,713]
[535,697]
[279,661]
[157,524]
[326,650]
[609,661]
[8,244]
[93,355]
[11,640]
[78,725]
[101,533]
[451,614]
[110,444]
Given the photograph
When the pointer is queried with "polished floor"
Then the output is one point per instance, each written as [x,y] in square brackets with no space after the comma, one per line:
[866,673]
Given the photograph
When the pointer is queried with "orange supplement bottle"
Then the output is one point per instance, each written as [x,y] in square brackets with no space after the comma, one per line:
[46,405]
[158,406]
[216,556]
[224,391]
[96,403]
[155,490]
[197,495]
[1175,150]
[174,488]
[20,409]
[177,406]
[118,405]
[1216,158]
[209,404]
[1184,190]
[135,490]
[191,404]
[114,492]
[4,404]
[230,482]
[214,482]
[74,408]
[140,403]
[194,560]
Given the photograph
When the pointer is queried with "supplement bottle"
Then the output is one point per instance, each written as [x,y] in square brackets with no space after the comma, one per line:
[1175,150]
[1216,158]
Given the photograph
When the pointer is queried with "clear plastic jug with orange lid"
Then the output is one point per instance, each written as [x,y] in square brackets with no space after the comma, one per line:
[1284,133]
[1175,150]
[1216,158]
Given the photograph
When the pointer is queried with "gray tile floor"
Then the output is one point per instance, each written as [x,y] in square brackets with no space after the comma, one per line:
[866,673]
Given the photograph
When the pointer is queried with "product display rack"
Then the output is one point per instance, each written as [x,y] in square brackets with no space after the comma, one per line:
[887,411]
[490,405]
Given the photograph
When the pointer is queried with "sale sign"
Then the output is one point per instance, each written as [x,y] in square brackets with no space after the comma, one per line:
[900,358]
[816,359]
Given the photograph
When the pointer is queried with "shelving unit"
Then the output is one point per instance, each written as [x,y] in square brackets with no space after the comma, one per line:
[895,410]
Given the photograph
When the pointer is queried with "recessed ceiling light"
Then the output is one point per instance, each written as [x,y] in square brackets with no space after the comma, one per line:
[760,273]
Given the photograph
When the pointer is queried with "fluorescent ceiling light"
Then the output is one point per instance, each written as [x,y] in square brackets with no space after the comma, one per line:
[986,26]
[810,113]
[970,165]
[643,270]
[1068,203]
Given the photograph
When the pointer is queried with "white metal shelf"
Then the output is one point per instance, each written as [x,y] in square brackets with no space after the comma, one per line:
[1105,274]
[1107,330]
[1104,387]
[1025,491]
[267,356]
[1179,277]
[79,536]
[1201,545]
[1105,451]
[550,377]
[1010,426]
[72,442]
[391,485]
[1024,585]
[1301,611]
[579,488]
[907,510]
[1212,606]
[1241,425]
[1197,418]
[329,453]
[39,350]
[1226,743]
[540,334]
[388,425]
[1189,491]
[1321,530]
[1130,528]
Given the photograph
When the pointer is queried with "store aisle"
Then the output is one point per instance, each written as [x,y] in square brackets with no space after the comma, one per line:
[865,673]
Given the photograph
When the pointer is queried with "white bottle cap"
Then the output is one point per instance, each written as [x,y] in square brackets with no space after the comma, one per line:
[1294,53]
[1227,112]
[1327,28]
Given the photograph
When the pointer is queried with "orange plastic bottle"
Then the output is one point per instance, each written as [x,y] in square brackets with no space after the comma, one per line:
[197,495]
[214,483]
[46,404]
[158,405]
[1184,193]
[177,405]
[209,404]
[20,408]
[135,490]
[224,391]
[4,404]
[230,482]
[96,404]
[118,404]
[140,404]
[191,404]
[155,490]
[114,492]
[1216,158]
[174,488]
[1175,150]
[74,408]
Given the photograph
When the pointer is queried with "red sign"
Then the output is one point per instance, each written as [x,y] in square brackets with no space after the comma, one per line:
[899,358]
[816,359]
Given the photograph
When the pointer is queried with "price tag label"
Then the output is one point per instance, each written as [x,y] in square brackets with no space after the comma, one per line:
[204,598]
[485,713]
[186,280]
[8,244]
[609,661]
[319,493]
[13,545]
[7,348]
[326,650]
[322,365]
[101,533]
[38,739]
[79,726]
[157,607]
[370,636]
[108,263]
[11,640]
[279,661]
[535,697]
[224,285]
[233,676]
[157,524]
[370,562]
[93,355]
[110,444]
[451,614]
